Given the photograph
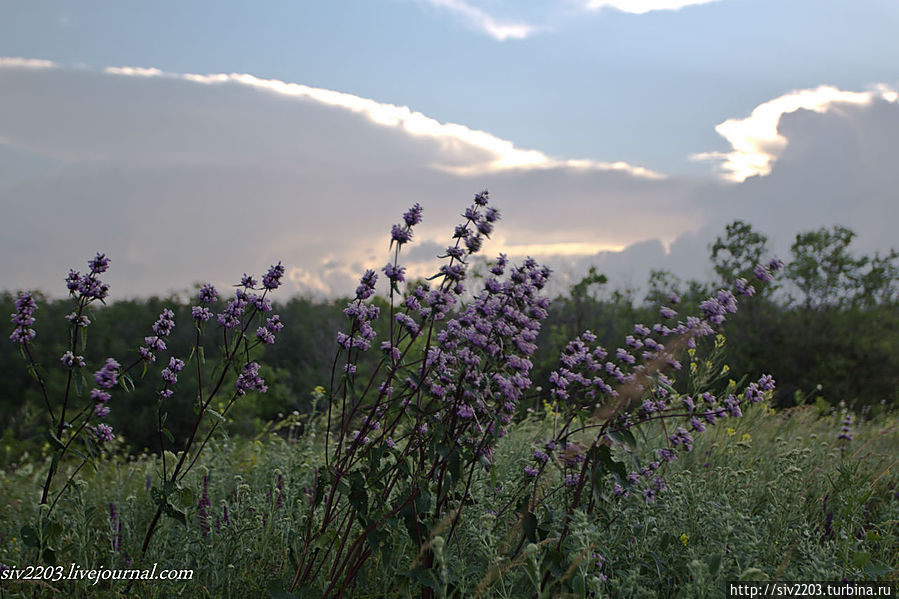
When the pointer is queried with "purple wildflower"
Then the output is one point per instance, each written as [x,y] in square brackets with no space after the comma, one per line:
[72,361]
[207,294]
[766,382]
[667,312]
[23,319]
[272,279]
[762,273]
[249,380]
[107,376]
[413,216]
[396,274]
[366,286]
[77,321]
[103,433]
[754,393]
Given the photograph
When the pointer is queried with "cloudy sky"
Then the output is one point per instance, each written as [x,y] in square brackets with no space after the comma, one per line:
[197,141]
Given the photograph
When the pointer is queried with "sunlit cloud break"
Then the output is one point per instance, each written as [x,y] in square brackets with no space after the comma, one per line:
[755,141]
[502,154]
[479,19]
[642,6]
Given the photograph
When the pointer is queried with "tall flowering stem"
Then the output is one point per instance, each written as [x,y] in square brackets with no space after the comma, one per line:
[613,393]
[408,441]
[249,307]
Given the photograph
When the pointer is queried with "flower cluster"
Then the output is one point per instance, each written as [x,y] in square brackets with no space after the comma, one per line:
[266,333]
[207,296]
[845,434]
[272,279]
[633,377]
[480,367]
[155,343]
[103,433]
[169,375]
[70,360]
[106,378]
[23,318]
[249,380]
[88,286]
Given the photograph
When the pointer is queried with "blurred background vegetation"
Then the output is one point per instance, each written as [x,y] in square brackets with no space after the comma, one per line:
[827,330]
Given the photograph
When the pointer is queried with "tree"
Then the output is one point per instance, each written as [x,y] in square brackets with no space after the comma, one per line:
[738,252]
[823,268]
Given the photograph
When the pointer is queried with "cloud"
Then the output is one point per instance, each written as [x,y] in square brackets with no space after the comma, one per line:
[209,176]
[15,62]
[755,140]
[484,22]
[184,178]
[476,151]
[642,6]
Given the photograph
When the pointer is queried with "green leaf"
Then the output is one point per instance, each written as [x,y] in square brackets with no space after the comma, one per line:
[603,456]
[53,439]
[276,590]
[358,494]
[877,571]
[578,585]
[424,577]
[215,415]
[184,498]
[29,536]
[626,437]
[529,524]
[52,530]
[49,556]
[714,563]
[861,559]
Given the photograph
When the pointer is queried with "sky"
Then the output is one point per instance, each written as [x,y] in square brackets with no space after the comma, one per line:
[194,142]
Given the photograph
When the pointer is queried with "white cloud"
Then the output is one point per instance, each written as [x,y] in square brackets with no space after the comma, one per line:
[202,177]
[502,154]
[483,21]
[755,141]
[15,62]
[642,6]
[134,71]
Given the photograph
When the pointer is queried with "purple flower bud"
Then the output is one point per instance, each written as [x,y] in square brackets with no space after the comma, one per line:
[72,361]
[413,216]
[272,279]
[99,264]
[400,234]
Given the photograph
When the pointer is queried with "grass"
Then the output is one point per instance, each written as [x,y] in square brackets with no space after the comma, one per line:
[773,498]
